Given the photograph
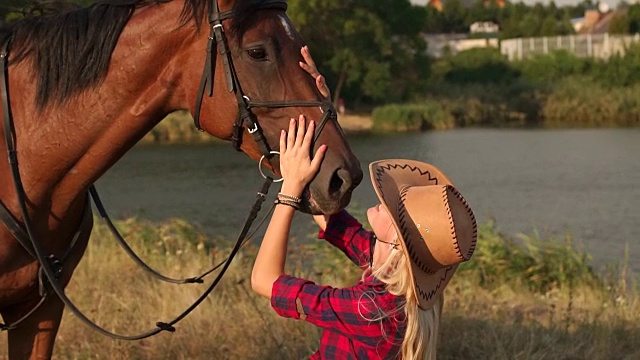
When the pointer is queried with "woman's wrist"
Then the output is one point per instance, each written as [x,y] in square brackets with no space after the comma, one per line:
[292,189]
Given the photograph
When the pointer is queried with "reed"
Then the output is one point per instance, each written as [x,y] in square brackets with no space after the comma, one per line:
[529,297]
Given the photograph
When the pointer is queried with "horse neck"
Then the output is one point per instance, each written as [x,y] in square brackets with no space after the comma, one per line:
[147,80]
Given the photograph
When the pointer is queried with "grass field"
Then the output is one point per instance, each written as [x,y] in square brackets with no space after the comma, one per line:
[525,299]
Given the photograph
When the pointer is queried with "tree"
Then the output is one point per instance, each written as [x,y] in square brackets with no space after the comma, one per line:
[363,47]
[434,21]
[483,11]
[619,24]
[14,9]
[548,27]
[633,14]
[11,8]
[454,16]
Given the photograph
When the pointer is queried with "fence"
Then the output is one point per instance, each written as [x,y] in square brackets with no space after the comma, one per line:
[590,45]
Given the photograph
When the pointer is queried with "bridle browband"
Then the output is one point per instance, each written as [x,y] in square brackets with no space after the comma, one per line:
[245,115]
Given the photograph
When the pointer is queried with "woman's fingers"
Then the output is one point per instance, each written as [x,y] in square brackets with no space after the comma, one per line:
[317,158]
[306,54]
[291,134]
[299,136]
[309,65]
[283,142]
[309,69]
[322,86]
[312,70]
[308,136]
[296,162]
[302,126]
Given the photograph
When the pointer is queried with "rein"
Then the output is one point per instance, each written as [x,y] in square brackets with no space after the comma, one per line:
[51,266]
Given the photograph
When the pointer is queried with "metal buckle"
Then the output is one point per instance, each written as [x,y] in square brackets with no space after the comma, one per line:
[254,129]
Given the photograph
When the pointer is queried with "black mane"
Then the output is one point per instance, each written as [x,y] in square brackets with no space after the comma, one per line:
[71,47]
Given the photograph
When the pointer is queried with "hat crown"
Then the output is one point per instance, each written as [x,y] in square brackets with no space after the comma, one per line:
[437,225]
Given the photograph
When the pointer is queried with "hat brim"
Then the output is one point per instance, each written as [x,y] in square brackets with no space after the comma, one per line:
[388,178]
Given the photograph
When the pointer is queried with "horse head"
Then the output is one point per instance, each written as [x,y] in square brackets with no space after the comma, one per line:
[259,86]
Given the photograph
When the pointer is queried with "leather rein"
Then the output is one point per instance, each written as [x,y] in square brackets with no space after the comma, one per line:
[51,266]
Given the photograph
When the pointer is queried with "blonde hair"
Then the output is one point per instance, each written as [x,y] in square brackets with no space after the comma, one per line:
[423,326]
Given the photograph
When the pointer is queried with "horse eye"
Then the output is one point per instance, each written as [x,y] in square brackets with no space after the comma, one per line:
[257,54]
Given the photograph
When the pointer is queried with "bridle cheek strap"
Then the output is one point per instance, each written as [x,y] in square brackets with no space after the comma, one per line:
[245,116]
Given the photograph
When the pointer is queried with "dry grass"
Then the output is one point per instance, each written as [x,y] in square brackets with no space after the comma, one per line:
[502,322]
[355,123]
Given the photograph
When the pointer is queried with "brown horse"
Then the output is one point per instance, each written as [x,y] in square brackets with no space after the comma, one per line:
[87,84]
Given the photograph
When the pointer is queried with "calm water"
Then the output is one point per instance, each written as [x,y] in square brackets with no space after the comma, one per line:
[582,181]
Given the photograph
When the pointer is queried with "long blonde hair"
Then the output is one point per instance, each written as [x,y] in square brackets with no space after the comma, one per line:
[423,326]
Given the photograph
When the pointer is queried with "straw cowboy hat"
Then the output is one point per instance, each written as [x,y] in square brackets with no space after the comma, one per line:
[436,225]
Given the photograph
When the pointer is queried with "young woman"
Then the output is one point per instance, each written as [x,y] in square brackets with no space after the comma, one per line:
[422,229]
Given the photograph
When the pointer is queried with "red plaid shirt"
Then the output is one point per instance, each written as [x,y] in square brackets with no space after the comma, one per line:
[350,316]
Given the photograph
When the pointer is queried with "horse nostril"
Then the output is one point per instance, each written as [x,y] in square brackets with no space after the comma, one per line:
[340,182]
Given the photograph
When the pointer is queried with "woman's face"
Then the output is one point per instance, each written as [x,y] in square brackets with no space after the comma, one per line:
[382,226]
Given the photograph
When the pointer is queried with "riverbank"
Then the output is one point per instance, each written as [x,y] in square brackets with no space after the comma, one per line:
[352,123]
[510,301]
[178,127]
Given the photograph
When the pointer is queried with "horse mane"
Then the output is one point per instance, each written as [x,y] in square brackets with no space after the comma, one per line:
[71,46]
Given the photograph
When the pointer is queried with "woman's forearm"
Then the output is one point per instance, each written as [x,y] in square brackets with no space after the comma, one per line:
[269,264]
[297,169]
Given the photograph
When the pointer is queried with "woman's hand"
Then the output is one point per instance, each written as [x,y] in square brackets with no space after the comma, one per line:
[310,66]
[297,169]
[296,166]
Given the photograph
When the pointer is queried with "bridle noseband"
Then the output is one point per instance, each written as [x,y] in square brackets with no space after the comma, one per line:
[245,115]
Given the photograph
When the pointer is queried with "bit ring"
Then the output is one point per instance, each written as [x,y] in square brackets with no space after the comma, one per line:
[260,165]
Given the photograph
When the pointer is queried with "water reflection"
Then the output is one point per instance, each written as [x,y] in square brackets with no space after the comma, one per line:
[583,181]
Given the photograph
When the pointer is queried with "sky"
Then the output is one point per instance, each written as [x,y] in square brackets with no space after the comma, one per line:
[611,3]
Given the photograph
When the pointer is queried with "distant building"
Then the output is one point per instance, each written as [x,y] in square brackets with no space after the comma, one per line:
[595,20]
[484,27]
[439,4]
[442,44]
[482,34]
[577,23]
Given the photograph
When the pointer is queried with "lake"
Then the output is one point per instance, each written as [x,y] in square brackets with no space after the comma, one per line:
[585,182]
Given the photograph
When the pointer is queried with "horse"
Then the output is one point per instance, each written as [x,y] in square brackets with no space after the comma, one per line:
[84,85]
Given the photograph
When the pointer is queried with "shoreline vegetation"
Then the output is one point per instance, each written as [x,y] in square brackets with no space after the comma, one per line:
[518,298]
[481,88]
[178,127]
[565,109]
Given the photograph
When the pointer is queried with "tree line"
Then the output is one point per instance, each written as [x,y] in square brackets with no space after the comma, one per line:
[374,52]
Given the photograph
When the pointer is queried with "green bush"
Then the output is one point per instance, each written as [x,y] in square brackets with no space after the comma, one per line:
[481,65]
[620,71]
[531,262]
[580,102]
[412,117]
[552,67]
[513,104]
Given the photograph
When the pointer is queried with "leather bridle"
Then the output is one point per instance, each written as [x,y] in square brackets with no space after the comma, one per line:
[245,104]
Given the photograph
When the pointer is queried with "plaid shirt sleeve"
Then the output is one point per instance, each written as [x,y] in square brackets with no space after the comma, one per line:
[347,234]
[344,310]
